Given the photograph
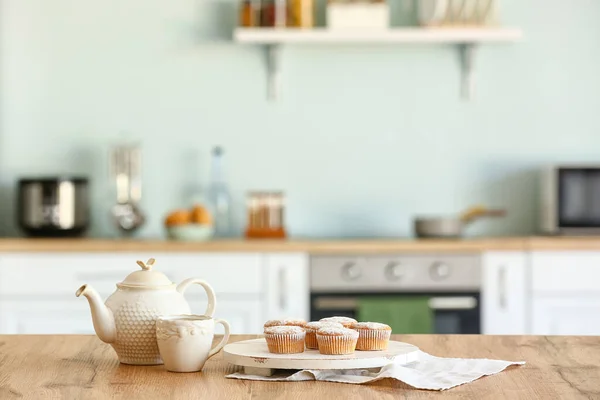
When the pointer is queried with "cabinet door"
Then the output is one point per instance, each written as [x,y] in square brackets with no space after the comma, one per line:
[37,290]
[45,317]
[73,317]
[48,274]
[504,293]
[244,315]
[565,273]
[227,273]
[288,290]
[60,274]
[566,316]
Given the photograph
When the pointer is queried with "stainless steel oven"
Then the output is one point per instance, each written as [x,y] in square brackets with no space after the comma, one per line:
[447,287]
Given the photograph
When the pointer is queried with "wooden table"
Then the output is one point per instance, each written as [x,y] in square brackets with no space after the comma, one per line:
[82,367]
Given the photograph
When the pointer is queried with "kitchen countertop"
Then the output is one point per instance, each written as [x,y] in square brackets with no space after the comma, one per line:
[334,246]
[78,367]
[324,246]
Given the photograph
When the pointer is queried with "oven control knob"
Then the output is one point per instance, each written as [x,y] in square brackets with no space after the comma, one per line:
[351,271]
[394,271]
[439,271]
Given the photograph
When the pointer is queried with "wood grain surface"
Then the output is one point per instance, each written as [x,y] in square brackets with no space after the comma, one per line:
[82,367]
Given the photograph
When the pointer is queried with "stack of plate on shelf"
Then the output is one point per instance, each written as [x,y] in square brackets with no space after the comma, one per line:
[457,12]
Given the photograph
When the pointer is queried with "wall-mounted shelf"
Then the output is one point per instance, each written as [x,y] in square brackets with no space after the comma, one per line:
[464,38]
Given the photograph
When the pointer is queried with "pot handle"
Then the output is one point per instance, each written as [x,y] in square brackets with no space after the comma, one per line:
[210,293]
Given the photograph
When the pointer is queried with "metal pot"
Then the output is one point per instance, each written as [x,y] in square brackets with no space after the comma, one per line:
[440,227]
[53,207]
[451,227]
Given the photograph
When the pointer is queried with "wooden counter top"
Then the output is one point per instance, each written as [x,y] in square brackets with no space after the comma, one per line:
[366,246]
[82,367]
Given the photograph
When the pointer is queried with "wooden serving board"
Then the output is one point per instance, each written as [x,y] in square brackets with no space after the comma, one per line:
[256,359]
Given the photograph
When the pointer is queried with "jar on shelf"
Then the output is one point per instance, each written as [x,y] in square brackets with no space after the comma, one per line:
[275,201]
[302,13]
[253,206]
[250,13]
[281,13]
[267,13]
[265,215]
[274,13]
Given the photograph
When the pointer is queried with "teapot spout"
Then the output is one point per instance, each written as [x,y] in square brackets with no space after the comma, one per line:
[102,316]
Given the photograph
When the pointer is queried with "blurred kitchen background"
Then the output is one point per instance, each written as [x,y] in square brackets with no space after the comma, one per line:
[362,138]
[158,120]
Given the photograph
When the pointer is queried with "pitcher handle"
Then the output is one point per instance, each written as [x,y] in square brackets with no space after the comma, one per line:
[210,293]
[223,342]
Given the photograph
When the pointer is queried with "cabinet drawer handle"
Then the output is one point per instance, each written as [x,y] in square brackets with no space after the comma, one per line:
[335,303]
[435,303]
[282,275]
[502,287]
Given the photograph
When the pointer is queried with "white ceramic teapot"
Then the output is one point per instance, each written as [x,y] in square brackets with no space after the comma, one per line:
[128,319]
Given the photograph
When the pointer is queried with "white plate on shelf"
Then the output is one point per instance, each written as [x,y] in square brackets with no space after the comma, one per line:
[255,353]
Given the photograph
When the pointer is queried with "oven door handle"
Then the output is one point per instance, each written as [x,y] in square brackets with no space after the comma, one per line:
[435,303]
[453,303]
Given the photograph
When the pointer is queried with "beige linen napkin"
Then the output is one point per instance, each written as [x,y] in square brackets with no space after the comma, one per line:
[430,372]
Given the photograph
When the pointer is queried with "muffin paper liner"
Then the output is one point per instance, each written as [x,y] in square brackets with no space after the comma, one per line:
[285,343]
[311,339]
[336,344]
[373,339]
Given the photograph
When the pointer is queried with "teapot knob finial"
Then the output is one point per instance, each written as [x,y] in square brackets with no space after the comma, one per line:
[146,266]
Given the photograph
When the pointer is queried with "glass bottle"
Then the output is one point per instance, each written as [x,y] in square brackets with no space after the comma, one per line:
[219,195]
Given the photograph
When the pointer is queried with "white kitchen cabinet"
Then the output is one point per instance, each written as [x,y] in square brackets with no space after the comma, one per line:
[287,294]
[565,292]
[45,317]
[244,316]
[505,302]
[74,317]
[60,274]
[565,272]
[566,316]
[37,290]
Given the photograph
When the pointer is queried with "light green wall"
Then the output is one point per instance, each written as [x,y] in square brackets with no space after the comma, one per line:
[363,138]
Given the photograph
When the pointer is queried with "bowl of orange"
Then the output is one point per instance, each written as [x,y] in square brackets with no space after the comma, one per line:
[194,225]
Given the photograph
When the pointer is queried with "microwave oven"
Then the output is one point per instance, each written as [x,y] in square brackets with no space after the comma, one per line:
[570,200]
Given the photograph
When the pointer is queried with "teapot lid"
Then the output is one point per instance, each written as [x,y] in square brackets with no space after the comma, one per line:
[146,277]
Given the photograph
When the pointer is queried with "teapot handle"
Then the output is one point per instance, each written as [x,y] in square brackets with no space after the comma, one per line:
[210,293]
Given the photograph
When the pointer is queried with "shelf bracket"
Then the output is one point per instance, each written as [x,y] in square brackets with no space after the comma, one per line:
[467,55]
[273,71]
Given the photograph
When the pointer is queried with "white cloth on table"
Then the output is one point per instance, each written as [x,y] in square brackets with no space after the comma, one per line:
[430,372]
